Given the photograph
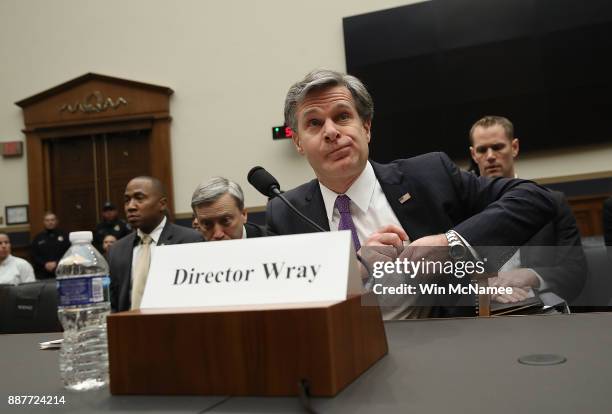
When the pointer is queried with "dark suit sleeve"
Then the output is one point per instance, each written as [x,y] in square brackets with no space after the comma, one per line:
[115,285]
[607,221]
[192,236]
[566,274]
[497,215]
[499,211]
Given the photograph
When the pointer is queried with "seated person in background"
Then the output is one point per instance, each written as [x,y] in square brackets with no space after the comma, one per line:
[110,224]
[218,205]
[552,259]
[107,243]
[13,270]
[129,258]
[48,247]
[425,198]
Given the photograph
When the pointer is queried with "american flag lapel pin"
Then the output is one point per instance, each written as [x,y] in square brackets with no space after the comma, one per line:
[405,198]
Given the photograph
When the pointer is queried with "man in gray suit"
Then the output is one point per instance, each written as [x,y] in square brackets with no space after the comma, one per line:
[553,258]
[129,258]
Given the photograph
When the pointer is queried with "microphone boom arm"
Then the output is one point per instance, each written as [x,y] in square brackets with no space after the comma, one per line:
[278,193]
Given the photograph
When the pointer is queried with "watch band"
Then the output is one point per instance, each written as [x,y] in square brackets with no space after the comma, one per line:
[456,248]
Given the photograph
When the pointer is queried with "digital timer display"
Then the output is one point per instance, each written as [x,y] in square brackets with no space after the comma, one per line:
[281,132]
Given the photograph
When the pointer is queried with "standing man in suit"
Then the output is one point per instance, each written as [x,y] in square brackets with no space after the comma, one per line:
[218,206]
[425,199]
[129,258]
[552,259]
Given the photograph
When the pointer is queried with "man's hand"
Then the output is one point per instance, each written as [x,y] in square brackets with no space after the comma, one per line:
[389,235]
[520,278]
[431,248]
[517,295]
[384,245]
[436,240]
[50,266]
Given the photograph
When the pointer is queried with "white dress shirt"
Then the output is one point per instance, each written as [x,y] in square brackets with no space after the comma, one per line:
[515,263]
[15,270]
[155,234]
[369,207]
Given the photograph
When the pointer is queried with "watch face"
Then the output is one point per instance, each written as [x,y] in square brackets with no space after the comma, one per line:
[457,251]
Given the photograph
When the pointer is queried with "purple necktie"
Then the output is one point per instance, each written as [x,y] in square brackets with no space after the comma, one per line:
[346,221]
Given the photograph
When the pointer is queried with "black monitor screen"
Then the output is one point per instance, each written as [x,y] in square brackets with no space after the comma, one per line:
[436,67]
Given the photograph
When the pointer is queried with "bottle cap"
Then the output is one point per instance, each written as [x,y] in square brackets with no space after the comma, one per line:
[85,236]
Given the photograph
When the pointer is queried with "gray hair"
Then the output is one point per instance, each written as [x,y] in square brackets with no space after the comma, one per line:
[210,191]
[321,79]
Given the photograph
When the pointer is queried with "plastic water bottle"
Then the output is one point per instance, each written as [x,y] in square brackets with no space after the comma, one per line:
[83,304]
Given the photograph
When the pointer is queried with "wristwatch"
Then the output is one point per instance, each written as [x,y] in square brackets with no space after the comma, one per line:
[457,249]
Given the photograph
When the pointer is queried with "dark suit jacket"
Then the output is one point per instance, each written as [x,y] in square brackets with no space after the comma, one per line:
[556,254]
[607,225]
[255,230]
[607,221]
[120,261]
[486,212]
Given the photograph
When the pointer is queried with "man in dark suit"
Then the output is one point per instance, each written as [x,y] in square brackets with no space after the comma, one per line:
[425,199]
[129,258]
[218,206]
[552,259]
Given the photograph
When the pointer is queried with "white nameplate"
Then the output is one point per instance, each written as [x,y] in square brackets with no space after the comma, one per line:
[299,268]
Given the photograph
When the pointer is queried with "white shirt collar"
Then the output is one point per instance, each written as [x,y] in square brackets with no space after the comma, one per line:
[155,233]
[9,259]
[360,192]
[244,235]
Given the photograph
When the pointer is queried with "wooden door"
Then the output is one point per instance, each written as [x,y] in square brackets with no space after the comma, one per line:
[90,170]
[73,177]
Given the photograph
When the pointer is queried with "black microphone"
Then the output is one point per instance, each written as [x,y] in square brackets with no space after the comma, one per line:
[266,184]
[263,182]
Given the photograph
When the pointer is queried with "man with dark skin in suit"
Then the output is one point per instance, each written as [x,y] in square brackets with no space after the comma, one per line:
[145,209]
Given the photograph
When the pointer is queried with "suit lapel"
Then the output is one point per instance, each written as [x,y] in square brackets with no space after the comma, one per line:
[404,199]
[166,235]
[126,281]
[314,207]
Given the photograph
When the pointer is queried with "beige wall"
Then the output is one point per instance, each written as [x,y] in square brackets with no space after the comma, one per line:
[229,63]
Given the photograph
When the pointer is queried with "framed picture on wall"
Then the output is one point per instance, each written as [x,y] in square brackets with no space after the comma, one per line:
[16,214]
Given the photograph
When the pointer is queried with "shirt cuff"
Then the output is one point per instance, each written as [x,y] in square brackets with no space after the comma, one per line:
[543,284]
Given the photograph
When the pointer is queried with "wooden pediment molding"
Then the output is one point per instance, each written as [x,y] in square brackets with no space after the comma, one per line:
[94,97]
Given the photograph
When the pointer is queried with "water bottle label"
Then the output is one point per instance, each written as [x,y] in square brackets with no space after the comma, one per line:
[83,290]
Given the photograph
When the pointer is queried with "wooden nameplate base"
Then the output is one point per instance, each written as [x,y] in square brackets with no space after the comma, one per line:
[258,351]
